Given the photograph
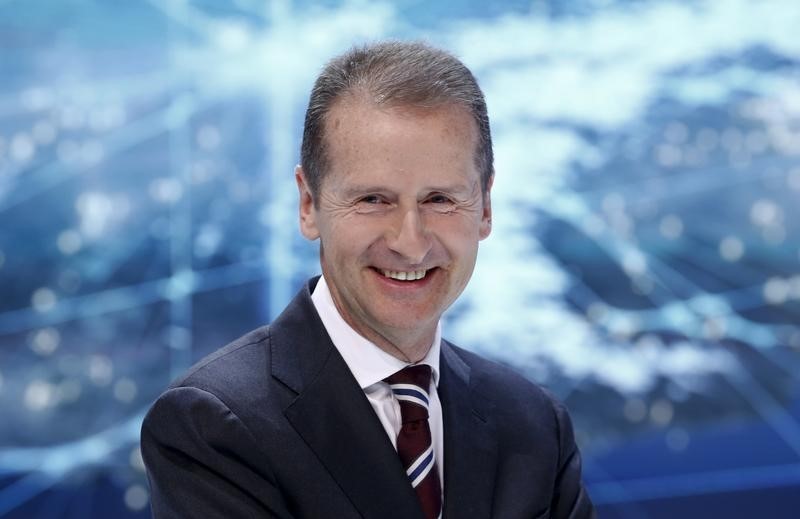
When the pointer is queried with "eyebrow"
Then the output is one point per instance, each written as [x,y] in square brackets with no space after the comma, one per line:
[452,188]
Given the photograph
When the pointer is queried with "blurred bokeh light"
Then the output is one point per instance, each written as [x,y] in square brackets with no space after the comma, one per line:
[644,262]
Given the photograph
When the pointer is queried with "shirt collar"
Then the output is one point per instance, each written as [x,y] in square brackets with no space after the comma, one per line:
[368,363]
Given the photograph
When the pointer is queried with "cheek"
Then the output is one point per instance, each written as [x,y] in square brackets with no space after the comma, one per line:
[351,236]
[457,232]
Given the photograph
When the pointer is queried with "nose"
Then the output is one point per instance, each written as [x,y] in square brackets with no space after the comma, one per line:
[408,238]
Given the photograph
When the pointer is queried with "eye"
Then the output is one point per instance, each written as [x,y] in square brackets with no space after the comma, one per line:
[371,200]
[440,203]
[439,198]
[375,203]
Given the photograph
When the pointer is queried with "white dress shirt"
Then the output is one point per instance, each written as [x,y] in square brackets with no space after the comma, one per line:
[370,365]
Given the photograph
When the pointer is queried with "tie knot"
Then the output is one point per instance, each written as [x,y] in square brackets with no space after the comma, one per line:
[418,375]
[410,387]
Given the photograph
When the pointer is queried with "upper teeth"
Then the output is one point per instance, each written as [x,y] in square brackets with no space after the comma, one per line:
[405,276]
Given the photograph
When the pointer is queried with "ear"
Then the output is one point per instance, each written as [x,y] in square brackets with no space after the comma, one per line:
[308,213]
[486,217]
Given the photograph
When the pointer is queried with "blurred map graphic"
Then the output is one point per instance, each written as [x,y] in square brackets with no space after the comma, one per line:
[644,262]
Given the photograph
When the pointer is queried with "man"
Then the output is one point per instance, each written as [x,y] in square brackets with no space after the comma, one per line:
[350,404]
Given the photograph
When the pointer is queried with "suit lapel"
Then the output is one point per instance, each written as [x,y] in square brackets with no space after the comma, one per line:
[470,448]
[334,417]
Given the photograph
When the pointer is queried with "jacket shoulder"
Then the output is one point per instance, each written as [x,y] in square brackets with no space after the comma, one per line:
[237,365]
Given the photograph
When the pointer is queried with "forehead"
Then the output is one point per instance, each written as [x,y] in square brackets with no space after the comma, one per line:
[363,136]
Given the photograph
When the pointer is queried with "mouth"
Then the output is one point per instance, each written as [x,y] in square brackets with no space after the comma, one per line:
[404,275]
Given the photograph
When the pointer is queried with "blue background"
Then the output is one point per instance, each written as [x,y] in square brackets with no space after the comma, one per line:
[644,262]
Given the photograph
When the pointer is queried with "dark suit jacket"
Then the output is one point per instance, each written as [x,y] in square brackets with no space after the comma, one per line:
[275,425]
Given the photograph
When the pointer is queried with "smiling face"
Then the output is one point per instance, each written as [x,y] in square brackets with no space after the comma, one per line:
[399,216]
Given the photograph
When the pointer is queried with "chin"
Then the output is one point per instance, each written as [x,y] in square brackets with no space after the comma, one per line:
[409,321]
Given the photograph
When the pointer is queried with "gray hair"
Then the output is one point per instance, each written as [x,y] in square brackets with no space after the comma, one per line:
[393,73]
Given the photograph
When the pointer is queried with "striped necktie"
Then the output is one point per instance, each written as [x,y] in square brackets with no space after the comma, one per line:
[410,386]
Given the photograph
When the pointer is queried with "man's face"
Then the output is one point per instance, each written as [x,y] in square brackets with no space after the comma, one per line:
[399,215]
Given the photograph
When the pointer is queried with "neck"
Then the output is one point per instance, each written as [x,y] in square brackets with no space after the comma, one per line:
[408,349]
[408,345]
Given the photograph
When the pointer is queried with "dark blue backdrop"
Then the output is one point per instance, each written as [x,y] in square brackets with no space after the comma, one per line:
[644,264]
